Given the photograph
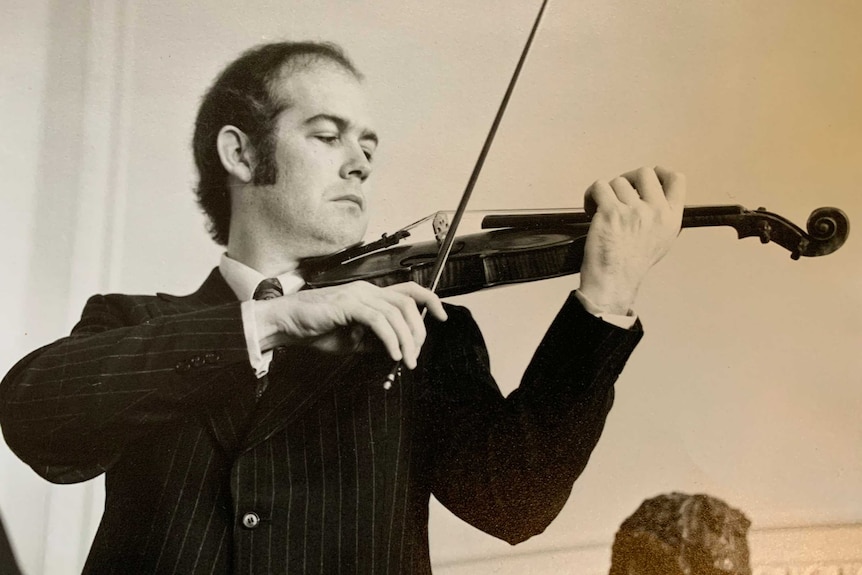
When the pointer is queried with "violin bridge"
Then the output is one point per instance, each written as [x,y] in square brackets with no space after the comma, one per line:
[440,225]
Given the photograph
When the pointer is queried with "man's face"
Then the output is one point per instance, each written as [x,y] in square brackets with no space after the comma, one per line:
[324,146]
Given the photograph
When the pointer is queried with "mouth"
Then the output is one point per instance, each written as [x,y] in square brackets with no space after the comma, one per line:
[352,198]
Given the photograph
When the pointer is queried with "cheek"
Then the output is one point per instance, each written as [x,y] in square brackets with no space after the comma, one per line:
[293,185]
[307,173]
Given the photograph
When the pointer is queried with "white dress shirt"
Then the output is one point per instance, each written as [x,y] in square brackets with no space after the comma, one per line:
[243,281]
[623,321]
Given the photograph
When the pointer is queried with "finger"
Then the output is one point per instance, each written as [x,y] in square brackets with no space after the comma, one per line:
[423,298]
[647,184]
[624,191]
[410,313]
[598,195]
[379,326]
[674,186]
[399,311]
[401,326]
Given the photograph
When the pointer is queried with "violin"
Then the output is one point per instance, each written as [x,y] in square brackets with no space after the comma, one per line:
[518,248]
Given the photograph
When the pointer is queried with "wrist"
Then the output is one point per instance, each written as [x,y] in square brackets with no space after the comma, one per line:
[605,301]
[270,334]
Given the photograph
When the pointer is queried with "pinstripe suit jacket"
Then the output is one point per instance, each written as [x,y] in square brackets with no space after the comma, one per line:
[327,472]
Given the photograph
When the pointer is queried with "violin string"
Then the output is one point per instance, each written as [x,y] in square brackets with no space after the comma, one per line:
[409,227]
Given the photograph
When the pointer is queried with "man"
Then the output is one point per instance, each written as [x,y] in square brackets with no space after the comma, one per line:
[243,435]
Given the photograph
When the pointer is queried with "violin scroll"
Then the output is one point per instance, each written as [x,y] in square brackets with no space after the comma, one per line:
[827,230]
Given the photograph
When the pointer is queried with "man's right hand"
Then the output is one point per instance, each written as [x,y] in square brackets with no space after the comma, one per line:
[337,318]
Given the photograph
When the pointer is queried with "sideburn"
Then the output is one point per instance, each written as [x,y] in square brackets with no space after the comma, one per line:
[265,169]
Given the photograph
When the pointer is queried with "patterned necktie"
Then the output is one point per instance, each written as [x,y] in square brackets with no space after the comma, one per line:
[267,289]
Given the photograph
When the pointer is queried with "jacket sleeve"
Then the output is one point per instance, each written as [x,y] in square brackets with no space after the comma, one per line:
[507,465]
[69,408]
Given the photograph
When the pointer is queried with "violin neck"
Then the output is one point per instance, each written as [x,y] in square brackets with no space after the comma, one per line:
[705,216]
[692,217]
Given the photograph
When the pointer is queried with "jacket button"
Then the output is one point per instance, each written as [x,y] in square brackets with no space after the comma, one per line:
[250,520]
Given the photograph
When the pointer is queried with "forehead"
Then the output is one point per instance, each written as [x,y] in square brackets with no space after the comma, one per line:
[322,88]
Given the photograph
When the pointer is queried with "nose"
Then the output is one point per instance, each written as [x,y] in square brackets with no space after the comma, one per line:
[356,165]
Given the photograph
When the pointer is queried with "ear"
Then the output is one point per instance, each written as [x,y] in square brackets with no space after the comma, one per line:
[235,153]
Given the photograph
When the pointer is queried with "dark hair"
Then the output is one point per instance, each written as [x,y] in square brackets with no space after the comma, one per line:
[243,96]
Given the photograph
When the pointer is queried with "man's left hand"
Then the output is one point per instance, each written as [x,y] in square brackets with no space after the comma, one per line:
[636,218]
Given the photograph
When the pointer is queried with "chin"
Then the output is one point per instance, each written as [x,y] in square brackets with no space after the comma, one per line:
[334,243]
[350,232]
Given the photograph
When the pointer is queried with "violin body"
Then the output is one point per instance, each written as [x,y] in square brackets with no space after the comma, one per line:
[524,248]
[477,261]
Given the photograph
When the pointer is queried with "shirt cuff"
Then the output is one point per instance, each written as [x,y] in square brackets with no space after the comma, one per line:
[623,321]
[258,359]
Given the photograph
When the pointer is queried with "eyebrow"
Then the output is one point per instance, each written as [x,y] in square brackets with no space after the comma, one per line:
[343,124]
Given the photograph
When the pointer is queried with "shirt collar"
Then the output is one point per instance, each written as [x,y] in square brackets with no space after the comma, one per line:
[243,280]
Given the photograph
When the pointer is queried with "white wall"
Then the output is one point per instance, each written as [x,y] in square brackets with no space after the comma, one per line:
[22,90]
[57,161]
[747,383]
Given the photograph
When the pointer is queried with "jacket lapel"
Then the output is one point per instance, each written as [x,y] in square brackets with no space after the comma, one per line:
[214,291]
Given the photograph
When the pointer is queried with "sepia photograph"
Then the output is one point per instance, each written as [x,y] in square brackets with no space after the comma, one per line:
[493,287]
